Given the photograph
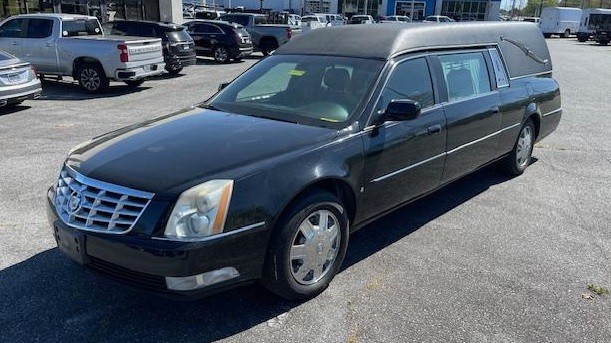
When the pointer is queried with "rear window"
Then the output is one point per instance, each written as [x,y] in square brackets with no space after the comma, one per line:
[178,36]
[81,27]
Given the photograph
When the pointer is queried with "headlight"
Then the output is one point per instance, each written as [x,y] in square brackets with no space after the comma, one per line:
[200,211]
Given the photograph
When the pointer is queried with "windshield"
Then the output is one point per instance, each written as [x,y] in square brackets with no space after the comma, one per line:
[311,90]
[81,27]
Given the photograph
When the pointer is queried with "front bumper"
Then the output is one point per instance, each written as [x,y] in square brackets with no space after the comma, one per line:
[140,72]
[144,262]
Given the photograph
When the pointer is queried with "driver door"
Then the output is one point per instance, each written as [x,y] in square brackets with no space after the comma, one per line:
[404,159]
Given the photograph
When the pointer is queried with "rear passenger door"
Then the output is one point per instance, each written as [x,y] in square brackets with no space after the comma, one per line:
[472,110]
[404,159]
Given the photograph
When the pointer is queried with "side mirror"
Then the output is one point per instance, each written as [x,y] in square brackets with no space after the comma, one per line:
[401,110]
[223,85]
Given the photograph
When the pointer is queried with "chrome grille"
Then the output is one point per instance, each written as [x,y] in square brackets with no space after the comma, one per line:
[94,205]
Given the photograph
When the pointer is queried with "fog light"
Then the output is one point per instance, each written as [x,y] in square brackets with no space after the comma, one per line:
[188,283]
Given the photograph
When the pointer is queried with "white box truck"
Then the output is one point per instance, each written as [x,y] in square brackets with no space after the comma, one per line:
[562,21]
[592,19]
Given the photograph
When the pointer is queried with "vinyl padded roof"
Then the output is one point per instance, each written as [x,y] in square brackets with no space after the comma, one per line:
[385,41]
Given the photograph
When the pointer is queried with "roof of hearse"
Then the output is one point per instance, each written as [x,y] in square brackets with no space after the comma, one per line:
[386,41]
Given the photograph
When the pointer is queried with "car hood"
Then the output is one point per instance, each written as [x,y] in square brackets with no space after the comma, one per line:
[189,147]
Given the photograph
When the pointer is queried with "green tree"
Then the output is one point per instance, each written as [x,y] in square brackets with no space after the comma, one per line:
[533,8]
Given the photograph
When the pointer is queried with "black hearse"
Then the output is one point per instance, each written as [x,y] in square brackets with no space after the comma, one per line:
[267,179]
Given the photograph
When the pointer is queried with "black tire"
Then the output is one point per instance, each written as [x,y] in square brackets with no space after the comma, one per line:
[91,78]
[268,46]
[173,70]
[237,59]
[604,42]
[547,35]
[279,275]
[519,159]
[220,54]
[134,83]
[566,34]
[582,39]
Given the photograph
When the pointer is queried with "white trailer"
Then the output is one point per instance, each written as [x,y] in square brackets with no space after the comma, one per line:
[592,19]
[562,21]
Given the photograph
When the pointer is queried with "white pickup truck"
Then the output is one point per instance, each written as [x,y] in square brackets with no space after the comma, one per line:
[74,45]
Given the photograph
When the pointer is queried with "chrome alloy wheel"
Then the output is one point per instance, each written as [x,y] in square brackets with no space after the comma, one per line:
[90,79]
[221,54]
[524,148]
[315,247]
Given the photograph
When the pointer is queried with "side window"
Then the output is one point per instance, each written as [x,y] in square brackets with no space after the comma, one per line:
[11,29]
[465,74]
[409,80]
[499,69]
[215,30]
[39,28]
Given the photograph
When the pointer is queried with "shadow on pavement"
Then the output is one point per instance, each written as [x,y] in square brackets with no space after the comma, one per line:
[68,91]
[48,298]
[10,109]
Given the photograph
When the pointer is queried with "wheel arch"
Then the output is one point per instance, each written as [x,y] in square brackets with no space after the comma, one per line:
[85,60]
[533,112]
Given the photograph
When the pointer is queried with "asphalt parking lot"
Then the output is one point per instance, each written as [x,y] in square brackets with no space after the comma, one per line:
[486,259]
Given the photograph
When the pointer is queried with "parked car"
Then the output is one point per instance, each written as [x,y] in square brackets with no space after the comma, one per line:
[74,45]
[395,19]
[331,19]
[438,19]
[221,40]
[18,81]
[591,20]
[535,20]
[265,37]
[268,178]
[561,21]
[178,45]
[361,19]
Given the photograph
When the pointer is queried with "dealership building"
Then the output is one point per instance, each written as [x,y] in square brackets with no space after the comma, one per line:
[171,10]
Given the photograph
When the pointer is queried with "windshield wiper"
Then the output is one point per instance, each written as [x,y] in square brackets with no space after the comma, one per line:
[209,107]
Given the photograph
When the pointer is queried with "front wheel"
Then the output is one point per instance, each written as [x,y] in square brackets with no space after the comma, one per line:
[174,69]
[566,34]
[91,78]
[307,248]
[519,158]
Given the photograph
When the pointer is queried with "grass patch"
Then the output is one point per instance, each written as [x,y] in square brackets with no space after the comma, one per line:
[598,289]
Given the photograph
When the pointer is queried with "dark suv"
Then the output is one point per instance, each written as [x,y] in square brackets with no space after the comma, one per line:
[178,46]
[220,39]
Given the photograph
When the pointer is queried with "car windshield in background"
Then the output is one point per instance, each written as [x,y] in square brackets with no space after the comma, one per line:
[311,90]
[178,35]
[81,27]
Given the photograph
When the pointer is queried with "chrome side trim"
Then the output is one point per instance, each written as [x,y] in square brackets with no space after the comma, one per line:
[408,168]
[551,112]
[483,138]
[383,177]
[531,75]
[213,237]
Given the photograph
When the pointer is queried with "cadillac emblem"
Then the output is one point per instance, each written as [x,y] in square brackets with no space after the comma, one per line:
[74,202]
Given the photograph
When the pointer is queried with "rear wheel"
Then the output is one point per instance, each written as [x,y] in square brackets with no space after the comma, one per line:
[268,46]
[134,83]
[566,34]
[519,158]
[91,78]
[307,248]
[220,54]
[173,69]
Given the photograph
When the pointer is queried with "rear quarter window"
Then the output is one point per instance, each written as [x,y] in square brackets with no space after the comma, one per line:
[500,73]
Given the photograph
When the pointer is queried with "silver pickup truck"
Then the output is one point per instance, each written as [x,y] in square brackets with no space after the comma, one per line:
[265,37]
[74,45]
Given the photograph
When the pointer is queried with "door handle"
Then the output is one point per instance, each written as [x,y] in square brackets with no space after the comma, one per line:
[434,129]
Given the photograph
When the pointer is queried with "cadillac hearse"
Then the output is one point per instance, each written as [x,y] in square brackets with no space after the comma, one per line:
[266,180]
